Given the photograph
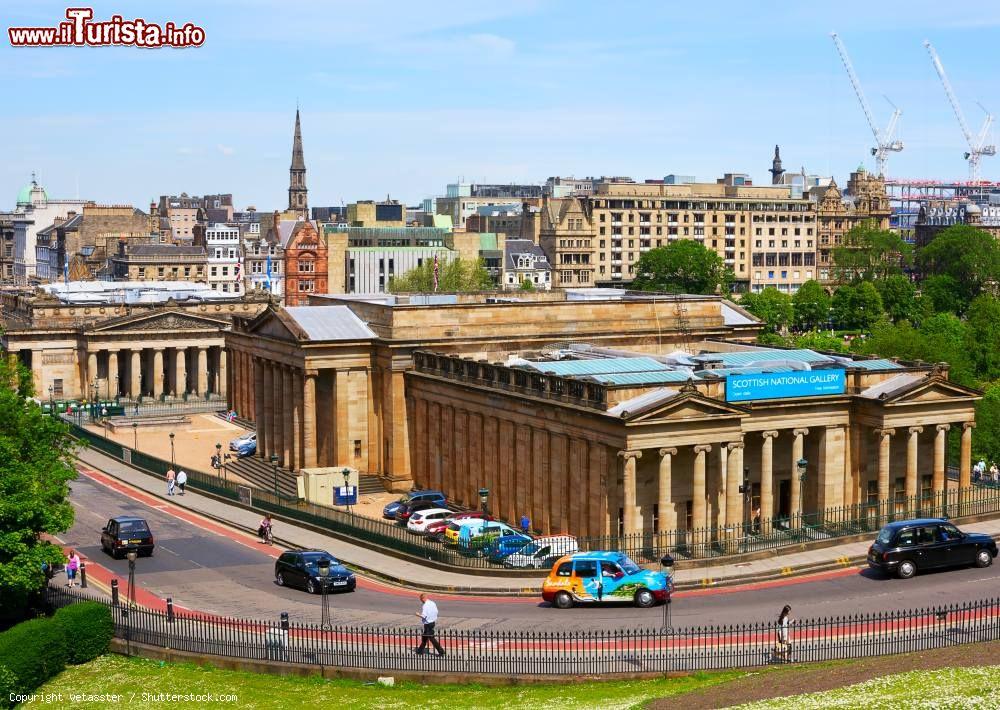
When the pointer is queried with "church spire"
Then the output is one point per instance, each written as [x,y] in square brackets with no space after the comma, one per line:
[297,192]
[776,170]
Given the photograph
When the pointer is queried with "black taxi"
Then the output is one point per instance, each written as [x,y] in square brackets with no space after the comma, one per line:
[127,532]
[906,547]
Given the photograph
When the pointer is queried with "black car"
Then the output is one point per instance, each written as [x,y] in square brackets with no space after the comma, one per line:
[124,533]
[910,546]
[405,510]
[300,568]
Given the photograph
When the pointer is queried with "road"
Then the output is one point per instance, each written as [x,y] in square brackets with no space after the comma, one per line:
[231,574]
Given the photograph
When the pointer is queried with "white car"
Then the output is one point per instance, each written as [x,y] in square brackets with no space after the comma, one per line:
[418,521]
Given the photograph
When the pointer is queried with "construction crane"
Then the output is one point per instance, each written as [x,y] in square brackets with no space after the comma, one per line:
[978,147]
[885,141]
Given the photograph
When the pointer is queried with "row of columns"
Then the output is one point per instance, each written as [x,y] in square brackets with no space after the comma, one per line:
[885,436]
[284,407]
[210,366]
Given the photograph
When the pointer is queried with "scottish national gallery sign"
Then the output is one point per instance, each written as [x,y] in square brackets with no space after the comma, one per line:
[782,385]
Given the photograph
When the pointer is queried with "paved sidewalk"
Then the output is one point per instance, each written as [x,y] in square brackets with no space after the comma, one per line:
[413,575]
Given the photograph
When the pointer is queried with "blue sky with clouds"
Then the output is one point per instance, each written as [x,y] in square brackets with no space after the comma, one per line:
[400,97]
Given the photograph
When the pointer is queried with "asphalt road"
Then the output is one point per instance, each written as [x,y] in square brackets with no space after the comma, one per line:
[235,577]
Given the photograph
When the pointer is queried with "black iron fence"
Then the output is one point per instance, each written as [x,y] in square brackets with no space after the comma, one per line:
[717,542]
[573,653]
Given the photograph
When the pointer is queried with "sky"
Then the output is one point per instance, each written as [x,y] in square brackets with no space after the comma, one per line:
[400,98]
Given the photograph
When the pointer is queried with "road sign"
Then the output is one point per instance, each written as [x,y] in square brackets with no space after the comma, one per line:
[345,495]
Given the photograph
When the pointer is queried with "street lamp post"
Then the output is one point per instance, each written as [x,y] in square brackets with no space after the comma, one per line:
[130,593]
[347,482]
[667,562]
[117,389]
[225,462]
[747,492]
[218,459]
[801,466]
[93,402]
[274,467]
[135,436]
[104,419]
[484,499]
[52,403]
[324,573]
[172,464]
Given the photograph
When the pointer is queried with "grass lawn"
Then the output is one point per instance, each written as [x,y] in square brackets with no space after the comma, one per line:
[128,676]
[976,687]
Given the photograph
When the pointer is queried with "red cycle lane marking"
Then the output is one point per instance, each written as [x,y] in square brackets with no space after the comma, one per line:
[372,584]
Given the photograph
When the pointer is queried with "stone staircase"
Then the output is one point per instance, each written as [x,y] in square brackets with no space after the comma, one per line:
[260,474]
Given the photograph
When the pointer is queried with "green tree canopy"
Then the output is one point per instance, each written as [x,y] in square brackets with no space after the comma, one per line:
[899,298]
[943,294]
[867,253]
[36,465]
[812,305]
[940,338]
[771,306]
[684,266]
[456,276]
[856,307]
[986,435]
[968,255]
[983,339]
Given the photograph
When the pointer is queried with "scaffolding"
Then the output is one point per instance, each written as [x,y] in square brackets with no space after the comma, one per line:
[906,197]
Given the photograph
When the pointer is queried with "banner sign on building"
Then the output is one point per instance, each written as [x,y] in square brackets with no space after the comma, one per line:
[782,385]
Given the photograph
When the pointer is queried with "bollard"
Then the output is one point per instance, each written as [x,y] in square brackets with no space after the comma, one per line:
[170,610]
[114,592]
[83,574]
[284,621]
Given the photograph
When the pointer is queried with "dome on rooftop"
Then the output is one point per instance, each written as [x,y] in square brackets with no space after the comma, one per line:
[32,194]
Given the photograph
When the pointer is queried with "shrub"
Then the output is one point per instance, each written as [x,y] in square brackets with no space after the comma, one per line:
[87,628]
[8,686]
[33,652]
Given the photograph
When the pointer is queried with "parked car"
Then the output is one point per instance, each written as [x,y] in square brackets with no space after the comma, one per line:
[603,577]
[422,518]
[245,445]
[476,538]
[906,547]
[406,510]
[435,529]
[507,545]
[389,511]
[542,551]
[454,528]
[127,532]
[300,568]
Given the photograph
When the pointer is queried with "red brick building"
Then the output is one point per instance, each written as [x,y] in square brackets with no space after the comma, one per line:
[305,264]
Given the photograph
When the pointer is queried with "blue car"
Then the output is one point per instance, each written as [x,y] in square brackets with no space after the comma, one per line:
[245,445]
[436,497]
[507,545]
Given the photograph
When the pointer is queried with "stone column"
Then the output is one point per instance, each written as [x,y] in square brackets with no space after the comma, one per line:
[309,420]
[135,374]
[767,479]
[720,499]
[287,419]
[940,444]
[798,448]
[222,374]
[157,372]
[91,374]
[663,497]
[911,463]
[262,387]
[345,451]
[883,464]
[734,499]
[275,416]
[203,371]
[112,372]
[180,371]
[965,462]
[698,516]
[628,483]
[297,404]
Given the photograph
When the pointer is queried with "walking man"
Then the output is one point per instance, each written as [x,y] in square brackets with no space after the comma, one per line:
[171,477]
[525,524]
[182,479]
[428,615]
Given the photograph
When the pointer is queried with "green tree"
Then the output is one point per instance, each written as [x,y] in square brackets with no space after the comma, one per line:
[812,305]
[527,285]
[899,298]
[986,435]
[684,266]
[856,307]
[940,338]
[771,306]
[36,465]
[867,253]
[983,339]
[943,294]
[455,276]
[968,255]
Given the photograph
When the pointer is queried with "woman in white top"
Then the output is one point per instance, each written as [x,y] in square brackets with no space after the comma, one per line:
[784,646]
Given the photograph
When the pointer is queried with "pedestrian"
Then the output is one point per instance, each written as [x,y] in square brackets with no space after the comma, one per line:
[994,473]
[171,478]
[783,647]
[182,479]
[525,524]
[265,531]
[137,408]
[756,521]
[72,565]
[428,616]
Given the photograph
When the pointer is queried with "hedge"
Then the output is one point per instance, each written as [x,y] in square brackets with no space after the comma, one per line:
[88,629]
[33,652]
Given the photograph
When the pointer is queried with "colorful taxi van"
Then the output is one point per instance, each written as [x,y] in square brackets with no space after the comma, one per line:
[603,577]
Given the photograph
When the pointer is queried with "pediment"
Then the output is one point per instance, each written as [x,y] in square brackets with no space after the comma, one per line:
[932,389]
[275,323]
[171,320]
[687,406]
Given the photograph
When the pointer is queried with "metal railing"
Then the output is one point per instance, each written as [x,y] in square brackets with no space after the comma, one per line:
[645,548]
[566,653]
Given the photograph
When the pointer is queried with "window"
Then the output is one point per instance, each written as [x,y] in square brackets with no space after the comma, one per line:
[586,569]
[212,271]
[306,286]
[357,448]
[566,568]
[307,266]
[57,388]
